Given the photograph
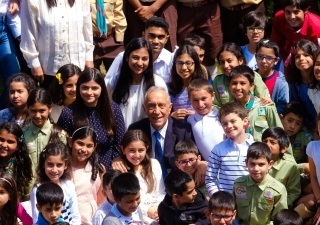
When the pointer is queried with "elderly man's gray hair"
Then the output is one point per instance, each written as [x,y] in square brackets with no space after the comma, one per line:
[155,88]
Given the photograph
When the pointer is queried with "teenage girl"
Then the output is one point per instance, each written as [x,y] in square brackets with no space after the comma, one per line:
[20,85]
[187,68]
[135,78]
[136,151]
[314,89]
[86,171]
[41,130]
[300,77]
[63,89]
[93,107]
[10,207]
[14,158]
[54,167]
[229,56]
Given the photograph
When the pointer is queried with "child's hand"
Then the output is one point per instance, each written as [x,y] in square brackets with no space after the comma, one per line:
[316,218]
[201,173]
[180,114]
[153,213]
[119,164]
[266,101]
[13,7]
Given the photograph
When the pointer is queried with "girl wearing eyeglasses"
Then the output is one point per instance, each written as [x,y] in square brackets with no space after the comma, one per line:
[185,69]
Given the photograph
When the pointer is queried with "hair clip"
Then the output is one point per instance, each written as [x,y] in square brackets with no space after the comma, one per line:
[1,178]
[20,139]
[58,76]
[90,128]
[44,150]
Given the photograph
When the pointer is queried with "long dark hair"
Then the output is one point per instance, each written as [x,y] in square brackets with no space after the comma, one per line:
[176,83]
[146,173]
[8,214]
[103,108]
[121,90]
[315,83]
[53,3]
[81,133]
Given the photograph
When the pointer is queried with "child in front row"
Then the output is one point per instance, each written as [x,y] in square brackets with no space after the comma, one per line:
[206,127]
[287,217]
[227,160]
[284,169]
[49,203]
[183,203]
[258,196]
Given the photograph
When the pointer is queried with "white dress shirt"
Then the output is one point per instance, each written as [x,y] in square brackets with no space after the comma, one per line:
[162,137]
[53,37]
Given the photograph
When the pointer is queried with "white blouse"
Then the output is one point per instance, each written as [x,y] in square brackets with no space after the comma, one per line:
[53,37]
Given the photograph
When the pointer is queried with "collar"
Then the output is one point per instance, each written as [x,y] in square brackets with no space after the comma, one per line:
[262,185]
[213,113]
[46,129]
[304,29]
[161,131]
[42,221]
[164,56]
[247,142]
[277,165]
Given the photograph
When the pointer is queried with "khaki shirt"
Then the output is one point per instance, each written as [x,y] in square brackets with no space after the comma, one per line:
[114,15]
[258,203]
[230,3]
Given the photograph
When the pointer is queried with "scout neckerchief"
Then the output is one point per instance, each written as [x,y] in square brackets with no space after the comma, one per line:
[7,167]
[248,107]
[101,17]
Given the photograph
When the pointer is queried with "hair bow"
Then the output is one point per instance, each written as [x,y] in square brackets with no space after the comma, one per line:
[20,139]
[58,76]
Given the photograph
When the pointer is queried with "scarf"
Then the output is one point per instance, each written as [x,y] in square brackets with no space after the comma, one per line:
[101,17]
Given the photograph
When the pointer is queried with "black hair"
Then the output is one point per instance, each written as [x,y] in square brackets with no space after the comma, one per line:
[258,150]
[279,134]
[176,182]
[22,169]
[287,217]
[49,193]
[296,108]
[221,200]
[157,22]
[195,40]
[56,89]
[56,148]
[53,3]
[266,43]
[232,107]
[299,4]
[254,18]
[234,49]
[125,184]
[185,147]
[315,83]
[122,88]
[176,83]
[242,70]
[108,177]
[200,84]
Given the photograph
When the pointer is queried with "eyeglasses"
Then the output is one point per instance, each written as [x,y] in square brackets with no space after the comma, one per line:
[257,29]
[269,59]
[226,217]
[189,64]
[192,161]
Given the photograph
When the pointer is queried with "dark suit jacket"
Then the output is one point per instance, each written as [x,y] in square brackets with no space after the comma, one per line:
[176,131]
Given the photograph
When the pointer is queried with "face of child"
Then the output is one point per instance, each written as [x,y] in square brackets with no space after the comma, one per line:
[54,167]
[201,101]
[200,53]
[50,213]
[8,145]
[316,69]
[292,123]
[294,16]
[189,195]
[4,197]
[184,71]
[39,114]
[274,146]
[266,59]
[90,93]
[108,193]
[255,34]
[128,204]
[233,125]
[69,89]
[138,61]
[228,61]
[135,152]
[18,94]
[221,217]
[188,162]
[82,149]
[157,38]
[258,168]
[240,89]
[303,60]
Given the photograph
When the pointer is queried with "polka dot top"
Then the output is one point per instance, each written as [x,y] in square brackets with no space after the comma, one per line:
[108,146]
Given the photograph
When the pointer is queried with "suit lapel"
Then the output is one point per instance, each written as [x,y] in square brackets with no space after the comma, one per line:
[170,138]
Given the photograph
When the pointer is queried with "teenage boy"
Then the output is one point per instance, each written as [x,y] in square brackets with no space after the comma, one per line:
[156,33]
[183,203]
[206,127]
[258,196]
[227,160]
[49,203]
[283,169]
[126,193]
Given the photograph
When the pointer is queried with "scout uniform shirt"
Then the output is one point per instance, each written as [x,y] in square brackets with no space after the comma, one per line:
[258,203]
[223,94]
[286,172]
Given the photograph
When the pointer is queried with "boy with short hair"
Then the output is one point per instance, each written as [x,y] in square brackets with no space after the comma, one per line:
[287,217]
[126,193]
[283,169]
[206,127]
[49,203]
[183,203]
[258,196]
[221,205]
[105,207]
[227,160]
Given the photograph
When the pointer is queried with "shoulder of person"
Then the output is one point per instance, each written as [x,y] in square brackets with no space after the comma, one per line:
[111,219]
[241,179]
[139,124]
[275,185]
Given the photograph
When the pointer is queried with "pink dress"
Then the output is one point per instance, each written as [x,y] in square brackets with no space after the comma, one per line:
[86,190]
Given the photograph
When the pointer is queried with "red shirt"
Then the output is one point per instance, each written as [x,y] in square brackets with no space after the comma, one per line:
[286,37]
[271,81]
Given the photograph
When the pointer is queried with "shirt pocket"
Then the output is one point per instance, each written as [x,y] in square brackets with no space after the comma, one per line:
[259,127]
[243,209]
[264,211]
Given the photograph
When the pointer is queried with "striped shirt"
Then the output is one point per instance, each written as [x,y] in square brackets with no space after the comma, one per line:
[226,164]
